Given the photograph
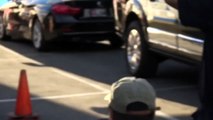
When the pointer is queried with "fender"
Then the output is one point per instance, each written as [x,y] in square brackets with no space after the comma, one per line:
[134,11]
[41,16]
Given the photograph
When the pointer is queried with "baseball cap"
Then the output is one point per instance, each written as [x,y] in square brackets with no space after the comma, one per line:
[128,90]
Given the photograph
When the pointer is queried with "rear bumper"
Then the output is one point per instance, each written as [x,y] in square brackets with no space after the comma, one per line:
[78,28]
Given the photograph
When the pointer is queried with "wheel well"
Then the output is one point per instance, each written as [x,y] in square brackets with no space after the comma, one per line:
[131,17]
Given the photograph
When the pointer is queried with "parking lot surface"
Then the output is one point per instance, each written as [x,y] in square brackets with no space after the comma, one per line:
[72,85]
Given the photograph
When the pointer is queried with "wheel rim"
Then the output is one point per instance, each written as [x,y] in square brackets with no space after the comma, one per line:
[37,35]
[134,50]
[1,29]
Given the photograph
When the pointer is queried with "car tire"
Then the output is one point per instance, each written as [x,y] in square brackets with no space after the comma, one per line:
[116,41]
[38,39]
[3,35]
[140,61]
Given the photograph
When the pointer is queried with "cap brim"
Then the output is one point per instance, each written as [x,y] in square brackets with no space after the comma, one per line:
[108,97]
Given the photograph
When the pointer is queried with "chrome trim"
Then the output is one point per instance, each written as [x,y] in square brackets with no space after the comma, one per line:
[190,47]
[162,44]
[187,46]
[166,19]
[155,30]
[190,38]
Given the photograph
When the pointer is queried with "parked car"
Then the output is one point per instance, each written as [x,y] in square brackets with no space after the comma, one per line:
[42,21]
[152,32]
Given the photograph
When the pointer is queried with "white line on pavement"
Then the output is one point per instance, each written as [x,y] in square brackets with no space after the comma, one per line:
[56,97]
[69,75]
[19,55]
[77,78]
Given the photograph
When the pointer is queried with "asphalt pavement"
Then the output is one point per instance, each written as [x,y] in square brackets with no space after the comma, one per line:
[59,94]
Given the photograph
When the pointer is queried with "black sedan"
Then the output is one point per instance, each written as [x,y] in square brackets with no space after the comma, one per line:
[42,21]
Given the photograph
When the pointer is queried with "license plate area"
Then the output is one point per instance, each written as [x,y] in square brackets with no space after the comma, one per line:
[96,12]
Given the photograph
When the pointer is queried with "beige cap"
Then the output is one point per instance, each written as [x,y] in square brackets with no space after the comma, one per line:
[128,90]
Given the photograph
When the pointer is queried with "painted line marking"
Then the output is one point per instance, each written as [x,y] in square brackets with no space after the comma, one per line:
[56,97]
[104,91]
[79,79]
[18,54]
[69,75]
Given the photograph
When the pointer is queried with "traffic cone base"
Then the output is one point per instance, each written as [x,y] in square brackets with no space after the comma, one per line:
[12,116]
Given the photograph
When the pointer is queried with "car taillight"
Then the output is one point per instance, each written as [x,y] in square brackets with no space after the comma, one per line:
[64,9]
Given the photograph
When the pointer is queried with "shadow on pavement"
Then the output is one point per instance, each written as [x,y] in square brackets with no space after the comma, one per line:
[45,109]
[102,63]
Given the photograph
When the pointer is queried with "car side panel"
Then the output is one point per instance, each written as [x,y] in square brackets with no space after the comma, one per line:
[126,11]
[190,43]
[163,28]
[168,35]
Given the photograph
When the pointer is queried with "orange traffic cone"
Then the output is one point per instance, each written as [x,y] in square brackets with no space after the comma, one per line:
[23,109]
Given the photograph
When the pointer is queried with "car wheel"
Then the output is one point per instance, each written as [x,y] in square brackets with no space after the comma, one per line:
[2,30]
[116,41]
[38,40]
[141,62]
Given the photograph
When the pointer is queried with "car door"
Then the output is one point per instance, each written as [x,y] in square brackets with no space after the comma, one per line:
[162,25]
[190,43]
[168,34]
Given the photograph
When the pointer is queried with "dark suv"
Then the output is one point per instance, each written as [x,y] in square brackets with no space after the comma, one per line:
[152,31]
